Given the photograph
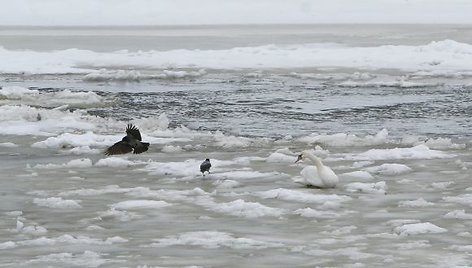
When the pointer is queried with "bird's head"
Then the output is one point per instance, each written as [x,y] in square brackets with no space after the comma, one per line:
[208,159]
[125,138]
[302,156]
[299,158]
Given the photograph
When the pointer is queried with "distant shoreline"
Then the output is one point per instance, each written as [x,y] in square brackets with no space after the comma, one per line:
[230,25]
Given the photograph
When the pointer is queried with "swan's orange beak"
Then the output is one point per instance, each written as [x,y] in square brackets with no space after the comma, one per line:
[299,158]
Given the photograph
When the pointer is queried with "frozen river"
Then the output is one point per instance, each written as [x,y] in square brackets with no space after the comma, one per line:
[386,107]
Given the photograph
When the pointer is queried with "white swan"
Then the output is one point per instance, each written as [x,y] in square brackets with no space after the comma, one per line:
[319,175]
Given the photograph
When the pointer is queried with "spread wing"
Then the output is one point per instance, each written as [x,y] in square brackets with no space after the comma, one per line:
[133,131]
[120,147]
[141,147]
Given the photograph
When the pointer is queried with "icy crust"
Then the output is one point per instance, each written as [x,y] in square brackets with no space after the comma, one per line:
[318,214]
[26,120]
[303,197]
[418,203]
[417,152]
[64,98]
[346,140]
[85,259]
[225,169]
[104,75]
[376,187]
[196,196]
[464,199]
[33,229]
[139,204]
[57,202]
[418,228]
[359,175]
[380,138]
[116,162]
[458,214]
[8,145]
[440,56]
[65,239]
[389,169]
[386,169]
[214,239]
[76,163]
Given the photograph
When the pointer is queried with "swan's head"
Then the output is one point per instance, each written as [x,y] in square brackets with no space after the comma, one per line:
[302,156]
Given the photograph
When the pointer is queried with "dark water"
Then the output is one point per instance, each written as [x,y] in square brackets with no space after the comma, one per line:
[278,106]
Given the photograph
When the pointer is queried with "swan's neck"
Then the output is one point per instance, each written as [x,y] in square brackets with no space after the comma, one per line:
[315,160]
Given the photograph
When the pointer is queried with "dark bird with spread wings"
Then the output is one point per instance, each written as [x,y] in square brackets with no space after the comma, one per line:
[130,143]
[205,166]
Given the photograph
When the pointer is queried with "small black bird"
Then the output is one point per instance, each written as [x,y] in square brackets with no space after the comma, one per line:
[205,166]
[130,142]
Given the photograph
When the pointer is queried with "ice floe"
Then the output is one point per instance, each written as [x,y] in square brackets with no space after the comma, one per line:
[447,54]
[75,163]
[389,169]
[110,189]
[121,215]
[377,187]
[87,258]
[443,144]
[359,175]
[352,253]
[30,229]
[347,140]
[465,199]
[139,204]
[104,75]
[8,245]
[67,140]
[247,174]
[417,152]
[226,184]
[280,158]
[57,202]
[458,214]
[414,245]
[317,214]
[302,197]
[418,228]
[214,239]
[70,239]
[26,120]
[188,167]
[172,149]
[8,145]
[51,99]
[442,185]
[116,162]
[242,208]
[418,203]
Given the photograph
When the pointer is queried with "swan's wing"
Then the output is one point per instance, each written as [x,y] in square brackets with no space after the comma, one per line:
[329,177]
[310,176]
[300,180]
